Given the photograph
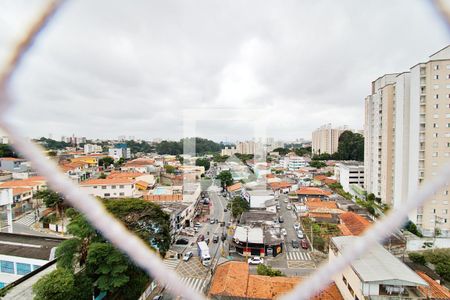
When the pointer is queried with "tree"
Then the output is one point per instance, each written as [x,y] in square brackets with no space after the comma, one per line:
[220,158]
[317,164]
[119,162]
[106,161]
[107,266]
[57,285]
[238,206]
[169,169]
[110,270]
[7,151]
[411,227]
[417,258]
[102,176]
[203,162]
[281,151]
[51,199]
[225,177]
[50,144]
[351,146]
[51,153]
[268,271]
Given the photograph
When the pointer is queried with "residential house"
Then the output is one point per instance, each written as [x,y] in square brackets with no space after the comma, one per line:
[110,188]
[353,224]
[321,180]
[281,187]
[376,275]
[323,211]
[232,280]
[304,193]
[434,290]
[235,189]
[142,165]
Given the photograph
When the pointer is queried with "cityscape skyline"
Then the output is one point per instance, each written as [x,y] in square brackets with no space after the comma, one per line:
[143,81]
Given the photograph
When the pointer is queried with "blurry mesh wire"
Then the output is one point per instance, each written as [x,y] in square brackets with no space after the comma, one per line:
[135,248]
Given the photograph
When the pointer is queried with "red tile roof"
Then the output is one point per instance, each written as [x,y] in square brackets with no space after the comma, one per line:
[279,185]
[234,187]
[11,159]
[232,280]
[434,290]
[19,191]
[311,205]
[312,191]
[131,175]
[29,182]
[107,181]
[353,224]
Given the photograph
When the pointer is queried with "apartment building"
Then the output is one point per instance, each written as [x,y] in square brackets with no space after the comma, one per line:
[92,148]
[407,138]
[349,174]
[325,139]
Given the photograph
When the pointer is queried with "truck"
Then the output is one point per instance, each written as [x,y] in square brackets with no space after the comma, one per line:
[203,253]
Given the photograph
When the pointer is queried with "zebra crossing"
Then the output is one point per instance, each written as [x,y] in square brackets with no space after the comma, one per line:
[27,220]
[297,255]
[172,264]
[194,283]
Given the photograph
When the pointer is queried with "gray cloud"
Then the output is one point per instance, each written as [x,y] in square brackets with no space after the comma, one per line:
[106,68]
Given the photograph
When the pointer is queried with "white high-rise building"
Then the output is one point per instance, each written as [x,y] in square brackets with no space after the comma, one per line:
[325,139]
[407,139]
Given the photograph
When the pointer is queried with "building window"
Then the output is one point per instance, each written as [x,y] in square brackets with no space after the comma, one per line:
[95,186]
[435,125]
[122,194]
[35,267]
[435,134]
[106,194]
[436,77]
[121,186]
[436,96]
[2,285]
[436,67]
[103,187]
[445,211]
[436,106]
[113,186]
[23,269]
[6,266]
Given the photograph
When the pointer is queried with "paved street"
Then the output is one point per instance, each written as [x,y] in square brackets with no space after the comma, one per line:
[294,261]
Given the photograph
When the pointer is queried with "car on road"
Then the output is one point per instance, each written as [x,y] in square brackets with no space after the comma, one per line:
[182,241]
[304,243]
[158,297]
[283,231]
[196,229]
[295,244]
[255,260]
[212,221]
[197,224]
[296,226]
[280,219]
[278,207]
[286,200]
[200,238]
[289,207]
[225,210]
[215,238]
[300,234]
[187,255]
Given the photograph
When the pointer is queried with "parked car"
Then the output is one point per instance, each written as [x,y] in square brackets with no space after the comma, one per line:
[289,207]
[304,243]
[223,237]
[255,260]
[296,226]
[212,221]
[300,234]
[286,200]
[200,238]
[295,244]
[197,224]
[278,207]
[158,297]
[187,255]
[280,219]
[215,238]
[182,241]
[283,231]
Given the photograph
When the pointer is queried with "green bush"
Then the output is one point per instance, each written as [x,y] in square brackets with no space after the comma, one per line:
[417,258]
[268,271]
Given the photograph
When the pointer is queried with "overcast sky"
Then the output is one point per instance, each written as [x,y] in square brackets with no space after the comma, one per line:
[109,68]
